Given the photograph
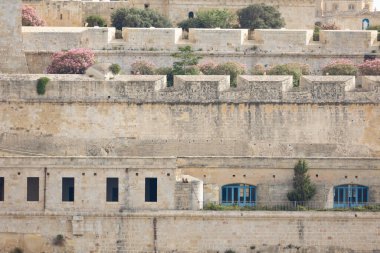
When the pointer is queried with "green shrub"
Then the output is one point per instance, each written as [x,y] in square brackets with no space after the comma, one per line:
[95,20]
[210,19]
[187,61]
[41,85]
[133,17]
[260,16]
[317,30]
[303,189]
[340,67]
[293,69]
[115,69]
[229,251]
[16,250]
[59,240]
[233,69]
[143,68]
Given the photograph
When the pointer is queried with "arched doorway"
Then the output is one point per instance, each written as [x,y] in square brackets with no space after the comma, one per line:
[239,194]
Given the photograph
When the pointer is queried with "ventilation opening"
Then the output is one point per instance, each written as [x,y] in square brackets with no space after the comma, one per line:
[150,189]
[191,14]
[112,189]
[68,189]
[33,189]
[146,6]
[1,189]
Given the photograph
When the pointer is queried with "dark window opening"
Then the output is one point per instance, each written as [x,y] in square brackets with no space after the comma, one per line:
[1,189]
[191,14]
[350,196]
[112,189]
[239,194]
[68,189]
[150,189]
[146,6]
[33,189]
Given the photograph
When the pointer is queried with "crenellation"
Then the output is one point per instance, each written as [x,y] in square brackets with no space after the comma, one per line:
[190,89]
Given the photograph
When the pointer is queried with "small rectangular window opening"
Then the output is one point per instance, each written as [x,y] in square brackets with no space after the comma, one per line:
[33,189]
[112,189]
[150,189]
[68,189]
[1,188]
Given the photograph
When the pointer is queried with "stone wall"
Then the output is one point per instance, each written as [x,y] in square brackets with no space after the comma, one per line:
[183,183]
[268,41]
[268,47]
[63,38]
[12,56]
[138,115]
[74,13]
[192,232]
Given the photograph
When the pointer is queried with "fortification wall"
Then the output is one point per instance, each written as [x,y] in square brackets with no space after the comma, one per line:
[12,56]
[269,47]
[300,14]
[137,115]
[193,232]
[183,183]
[268,41]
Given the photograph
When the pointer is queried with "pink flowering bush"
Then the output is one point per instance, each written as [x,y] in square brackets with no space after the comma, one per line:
[143,68]
[233,69]
[74,61]
[340,67]
[207,68]
[30,17]
[370,68]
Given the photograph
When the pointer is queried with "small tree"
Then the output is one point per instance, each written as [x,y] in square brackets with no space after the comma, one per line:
[187,62]
[30,17]
[132,17]
[95,20]
[210,19]
[303,190]
[258,16]
[294,69]
[74,61]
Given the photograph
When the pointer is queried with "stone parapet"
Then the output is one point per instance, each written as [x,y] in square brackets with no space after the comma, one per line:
[265,41]
[190,89]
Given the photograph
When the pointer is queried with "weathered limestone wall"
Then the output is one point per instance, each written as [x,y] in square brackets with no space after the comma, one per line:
[66,38]
[139,116]
[267,47]
[183,183]
[193,232]
[297,14]
[273,176]
[12,56]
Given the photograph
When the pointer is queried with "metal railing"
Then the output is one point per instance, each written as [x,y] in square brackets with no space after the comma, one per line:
[291,206]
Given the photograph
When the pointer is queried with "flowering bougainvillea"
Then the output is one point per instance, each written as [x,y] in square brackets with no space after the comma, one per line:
[143,68]
[207,68]
[30,17]
[74,61]
[340,67]
[370,68]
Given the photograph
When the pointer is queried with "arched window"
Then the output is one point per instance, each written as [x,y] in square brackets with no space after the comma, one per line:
[351,7]
[191,14]
[350,195]
[239,194]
